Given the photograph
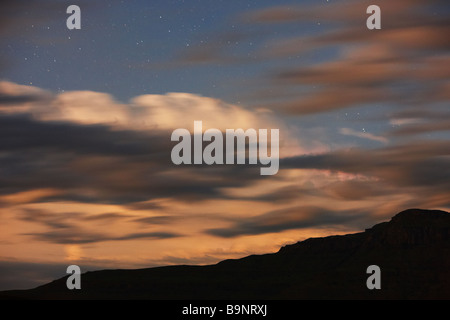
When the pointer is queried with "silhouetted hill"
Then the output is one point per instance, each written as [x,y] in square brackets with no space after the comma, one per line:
[412,250]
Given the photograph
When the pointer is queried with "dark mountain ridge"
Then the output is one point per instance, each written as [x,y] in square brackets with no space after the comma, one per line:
[412,251]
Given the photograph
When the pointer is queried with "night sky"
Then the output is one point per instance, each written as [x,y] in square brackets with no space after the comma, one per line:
[86,118]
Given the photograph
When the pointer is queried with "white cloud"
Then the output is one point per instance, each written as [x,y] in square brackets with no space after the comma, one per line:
[87,107]
[180,110]
[147,112]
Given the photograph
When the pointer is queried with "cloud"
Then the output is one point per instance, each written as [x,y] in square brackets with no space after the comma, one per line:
[63,220]
[148,235]
[71,158]
[413,122]
[69,227]
[86,107]
[397,66]
[157,220]
[400,66]
[97,159]
[151,112]
[419,128]
[330,99]
[356,189]
[91,148]
[355,182]
[354,80]
[351,12]
[108,216]
[363,135]
[180,110]
[16,98]
[284,219]
[345,73]
[77,236]
[418,168]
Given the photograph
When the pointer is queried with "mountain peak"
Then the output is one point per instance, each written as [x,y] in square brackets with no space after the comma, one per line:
[408,227]
[412,227]
[415,214]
